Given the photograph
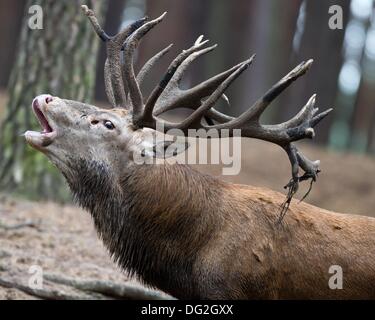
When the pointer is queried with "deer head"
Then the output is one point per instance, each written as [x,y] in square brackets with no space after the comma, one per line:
[73,129]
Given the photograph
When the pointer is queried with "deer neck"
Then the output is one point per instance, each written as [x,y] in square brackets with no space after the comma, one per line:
[154,219]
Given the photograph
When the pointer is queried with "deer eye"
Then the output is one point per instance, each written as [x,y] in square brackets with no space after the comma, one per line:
[109,125]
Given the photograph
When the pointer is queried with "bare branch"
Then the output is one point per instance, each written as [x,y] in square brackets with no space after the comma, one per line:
[109,288]
[28,224]
[49,294]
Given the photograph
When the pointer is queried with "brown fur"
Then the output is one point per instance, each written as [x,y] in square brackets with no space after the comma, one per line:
[205,238]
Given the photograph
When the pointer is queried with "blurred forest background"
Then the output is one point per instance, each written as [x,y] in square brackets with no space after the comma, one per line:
[66,60]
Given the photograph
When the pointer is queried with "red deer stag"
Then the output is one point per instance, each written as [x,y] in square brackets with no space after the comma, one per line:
[185,232]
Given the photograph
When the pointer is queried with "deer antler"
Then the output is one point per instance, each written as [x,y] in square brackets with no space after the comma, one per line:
[115,87]
[167,95]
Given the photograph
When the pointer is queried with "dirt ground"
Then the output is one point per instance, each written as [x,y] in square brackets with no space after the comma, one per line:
[59,239]
[62,241]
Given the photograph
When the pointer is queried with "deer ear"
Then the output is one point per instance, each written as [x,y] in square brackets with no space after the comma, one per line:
[167,149]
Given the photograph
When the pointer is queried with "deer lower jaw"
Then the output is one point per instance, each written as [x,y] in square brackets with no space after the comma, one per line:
[40,140]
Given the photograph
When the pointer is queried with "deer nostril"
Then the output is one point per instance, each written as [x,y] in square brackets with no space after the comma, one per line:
[48,99]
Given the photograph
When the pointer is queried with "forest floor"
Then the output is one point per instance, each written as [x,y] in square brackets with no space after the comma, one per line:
[62,241]
[58,242]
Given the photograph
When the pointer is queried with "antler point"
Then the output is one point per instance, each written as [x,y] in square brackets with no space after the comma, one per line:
[309,63]
[312,100]
[85,9]
[310,133]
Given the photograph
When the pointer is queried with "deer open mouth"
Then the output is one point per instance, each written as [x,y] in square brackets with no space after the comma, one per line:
[44,138]
[41,118]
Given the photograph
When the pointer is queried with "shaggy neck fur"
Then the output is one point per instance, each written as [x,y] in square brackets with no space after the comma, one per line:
[153,242]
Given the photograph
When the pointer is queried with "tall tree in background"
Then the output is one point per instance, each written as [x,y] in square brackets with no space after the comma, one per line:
[10,22]
[183,24]
[59,59]
[267,30]
[324,45]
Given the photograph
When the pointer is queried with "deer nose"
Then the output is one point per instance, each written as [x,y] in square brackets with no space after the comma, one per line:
[41,100]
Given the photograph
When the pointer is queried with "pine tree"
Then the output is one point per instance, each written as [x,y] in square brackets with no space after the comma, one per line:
[59,59]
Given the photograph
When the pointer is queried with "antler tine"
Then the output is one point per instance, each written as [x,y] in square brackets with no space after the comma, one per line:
[306,112]
[172,96]
[197,115]
[155,94]
[255,111]
[95,23]
[279,87]
[299,127]
[108,84]
[114,86]
[129,47]
[205,108]
[215,115]
[171,88]
[176,78]
[194,95]
[150,63]
[190,98]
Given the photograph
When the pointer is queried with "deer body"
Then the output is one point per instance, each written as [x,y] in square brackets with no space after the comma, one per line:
[197,237]
[179,230]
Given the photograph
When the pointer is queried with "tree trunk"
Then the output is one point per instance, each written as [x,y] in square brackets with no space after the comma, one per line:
[268,32]
[324,46]
[181,27]
[10,20]
[363,110]
[59,59]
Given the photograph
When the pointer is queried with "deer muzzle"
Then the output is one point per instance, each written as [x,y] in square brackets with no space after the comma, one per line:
[44,138]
